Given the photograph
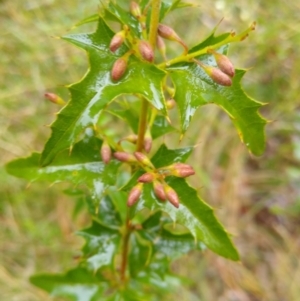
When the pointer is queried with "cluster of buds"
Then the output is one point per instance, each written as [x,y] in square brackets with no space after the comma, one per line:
[140,48]
[225,71]
[156,176]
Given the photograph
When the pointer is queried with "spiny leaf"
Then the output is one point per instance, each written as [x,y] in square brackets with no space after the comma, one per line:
[139,255]
[96,89]
[165,242]
[194,88]
[193,212]
[76,285]
[101,245]
[84,165]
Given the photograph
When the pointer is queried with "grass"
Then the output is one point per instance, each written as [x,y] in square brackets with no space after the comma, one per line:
[257,199]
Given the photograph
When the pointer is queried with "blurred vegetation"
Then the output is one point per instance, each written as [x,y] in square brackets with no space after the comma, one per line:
[258,199]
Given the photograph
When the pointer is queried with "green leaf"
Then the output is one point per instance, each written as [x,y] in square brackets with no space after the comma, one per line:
[101,245]
[193,212]
[165,156]
[77,285]
[161,127]
[96,89]
[89,19]
[174,246]
[82,166]
[116,13]
[139,255]
[166,242]
[194,88]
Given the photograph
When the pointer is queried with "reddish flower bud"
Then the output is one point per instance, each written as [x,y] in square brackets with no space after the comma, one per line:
[135,9]
[159,191]
[147,177]
[216,74]
[180,165]
[143,159]
[118,68]
[116,41]
[134,194]
[105,152]
[178,170]
[223,63]
[170,103]
[146,51]
[168,33]
[184,172]
[147,144]
[171,196]
[124,157]
[54,98]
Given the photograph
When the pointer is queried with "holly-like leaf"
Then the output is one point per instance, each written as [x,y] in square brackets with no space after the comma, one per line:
[96,89]
[165,242]
[101,245]
[194,88]
[77,285]
[82,166]
[139,255]
[193,212]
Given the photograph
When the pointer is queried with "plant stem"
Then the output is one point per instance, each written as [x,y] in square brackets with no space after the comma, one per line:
[142,125]
[125,246]
[188,57]
[152,40]
[141,135]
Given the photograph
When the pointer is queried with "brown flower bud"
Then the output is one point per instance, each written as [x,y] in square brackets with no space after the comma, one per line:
[105,152]
[147,177]
[125,157]
[143,159]
[134,194]
[135,9]
[119,68]
[159,191]
[216,74]
[146,51]
[54,98]
[170,103]
[223,63]
[171,195]
[116,41]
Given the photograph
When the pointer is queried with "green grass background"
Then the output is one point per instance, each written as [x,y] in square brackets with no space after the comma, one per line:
[257,199]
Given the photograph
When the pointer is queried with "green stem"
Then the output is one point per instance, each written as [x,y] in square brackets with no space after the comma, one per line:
[189,57]
[142,125]
[141,135]
[154,22]
[125,249]
[152,40]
